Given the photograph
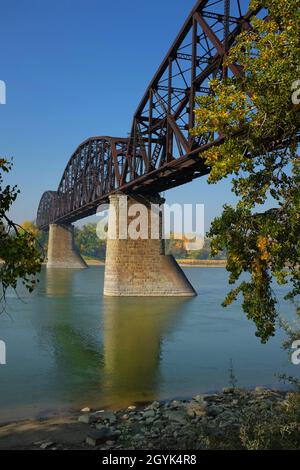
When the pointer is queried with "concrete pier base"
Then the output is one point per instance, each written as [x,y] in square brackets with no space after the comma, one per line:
[62,252]
[139,267]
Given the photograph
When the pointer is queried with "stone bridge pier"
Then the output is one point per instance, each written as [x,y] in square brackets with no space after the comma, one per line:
[62,252]
[139,267]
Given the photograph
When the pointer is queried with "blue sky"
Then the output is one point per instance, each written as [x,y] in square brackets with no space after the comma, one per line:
[77,68]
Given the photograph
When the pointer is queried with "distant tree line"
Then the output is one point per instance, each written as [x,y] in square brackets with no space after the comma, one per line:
[177,248]
[90,246]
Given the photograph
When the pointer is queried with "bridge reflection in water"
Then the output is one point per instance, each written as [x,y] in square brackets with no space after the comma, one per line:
[119,356]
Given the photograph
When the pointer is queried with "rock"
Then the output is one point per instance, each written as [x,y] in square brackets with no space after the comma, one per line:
[260,390]
[227,390]
[131,408]
[86,418]
[199,398]
[85,410]
[105,416]
[196,409]
[154,406]
[214,397]
[175,404]
[95,438]
[110,433]
[109,443]
[149,414]
[46,445]
[176,416]
[214,410]
[150,421]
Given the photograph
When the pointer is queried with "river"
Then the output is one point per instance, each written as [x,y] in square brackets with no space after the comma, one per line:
[69,347]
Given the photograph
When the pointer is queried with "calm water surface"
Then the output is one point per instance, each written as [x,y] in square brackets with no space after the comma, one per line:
[68,347]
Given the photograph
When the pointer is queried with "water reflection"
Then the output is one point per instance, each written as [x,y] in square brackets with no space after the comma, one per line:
[133,333]
[69,347]
[110,346]
[59,281]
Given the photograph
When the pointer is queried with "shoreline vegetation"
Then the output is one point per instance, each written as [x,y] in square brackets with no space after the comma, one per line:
[232,419]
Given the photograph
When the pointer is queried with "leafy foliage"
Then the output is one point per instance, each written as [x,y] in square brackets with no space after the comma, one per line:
[277,429]
[40,235]
[259,126]
[89,244]
[18,248]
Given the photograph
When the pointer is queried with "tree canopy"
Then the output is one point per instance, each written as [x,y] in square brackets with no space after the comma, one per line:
[259,128]
[18,247]
[87,240]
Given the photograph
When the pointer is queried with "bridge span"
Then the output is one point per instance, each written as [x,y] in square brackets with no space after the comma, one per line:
[160,152]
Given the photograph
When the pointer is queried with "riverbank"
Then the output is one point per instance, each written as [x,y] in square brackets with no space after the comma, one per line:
[93,262]
[187,263]
[202,263]
[225,420]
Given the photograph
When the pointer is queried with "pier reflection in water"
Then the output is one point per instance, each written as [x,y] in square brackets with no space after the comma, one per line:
[121,356]
[133,332]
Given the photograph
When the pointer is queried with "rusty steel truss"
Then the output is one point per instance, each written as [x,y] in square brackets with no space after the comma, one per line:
[160,152]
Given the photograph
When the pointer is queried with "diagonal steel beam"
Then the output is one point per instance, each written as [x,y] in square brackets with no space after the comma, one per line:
[236,70]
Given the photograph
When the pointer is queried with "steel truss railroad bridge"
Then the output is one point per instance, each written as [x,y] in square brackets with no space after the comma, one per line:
[160,152]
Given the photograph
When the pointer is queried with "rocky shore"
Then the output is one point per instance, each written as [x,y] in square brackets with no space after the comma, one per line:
[204,422]
[214,421]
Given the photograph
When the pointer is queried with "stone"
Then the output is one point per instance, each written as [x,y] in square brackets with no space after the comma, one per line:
[46,445]
[109,443]
[110,433]
[196,409]
[214,397]
[131,408]
[105,416]
[155,405]
[85,410]
[260,389]
[176,416]
[227,390]
[214,410]
[87,418]
[149,414]
[199,398]
[175,404]
[95,438]
[150,421]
